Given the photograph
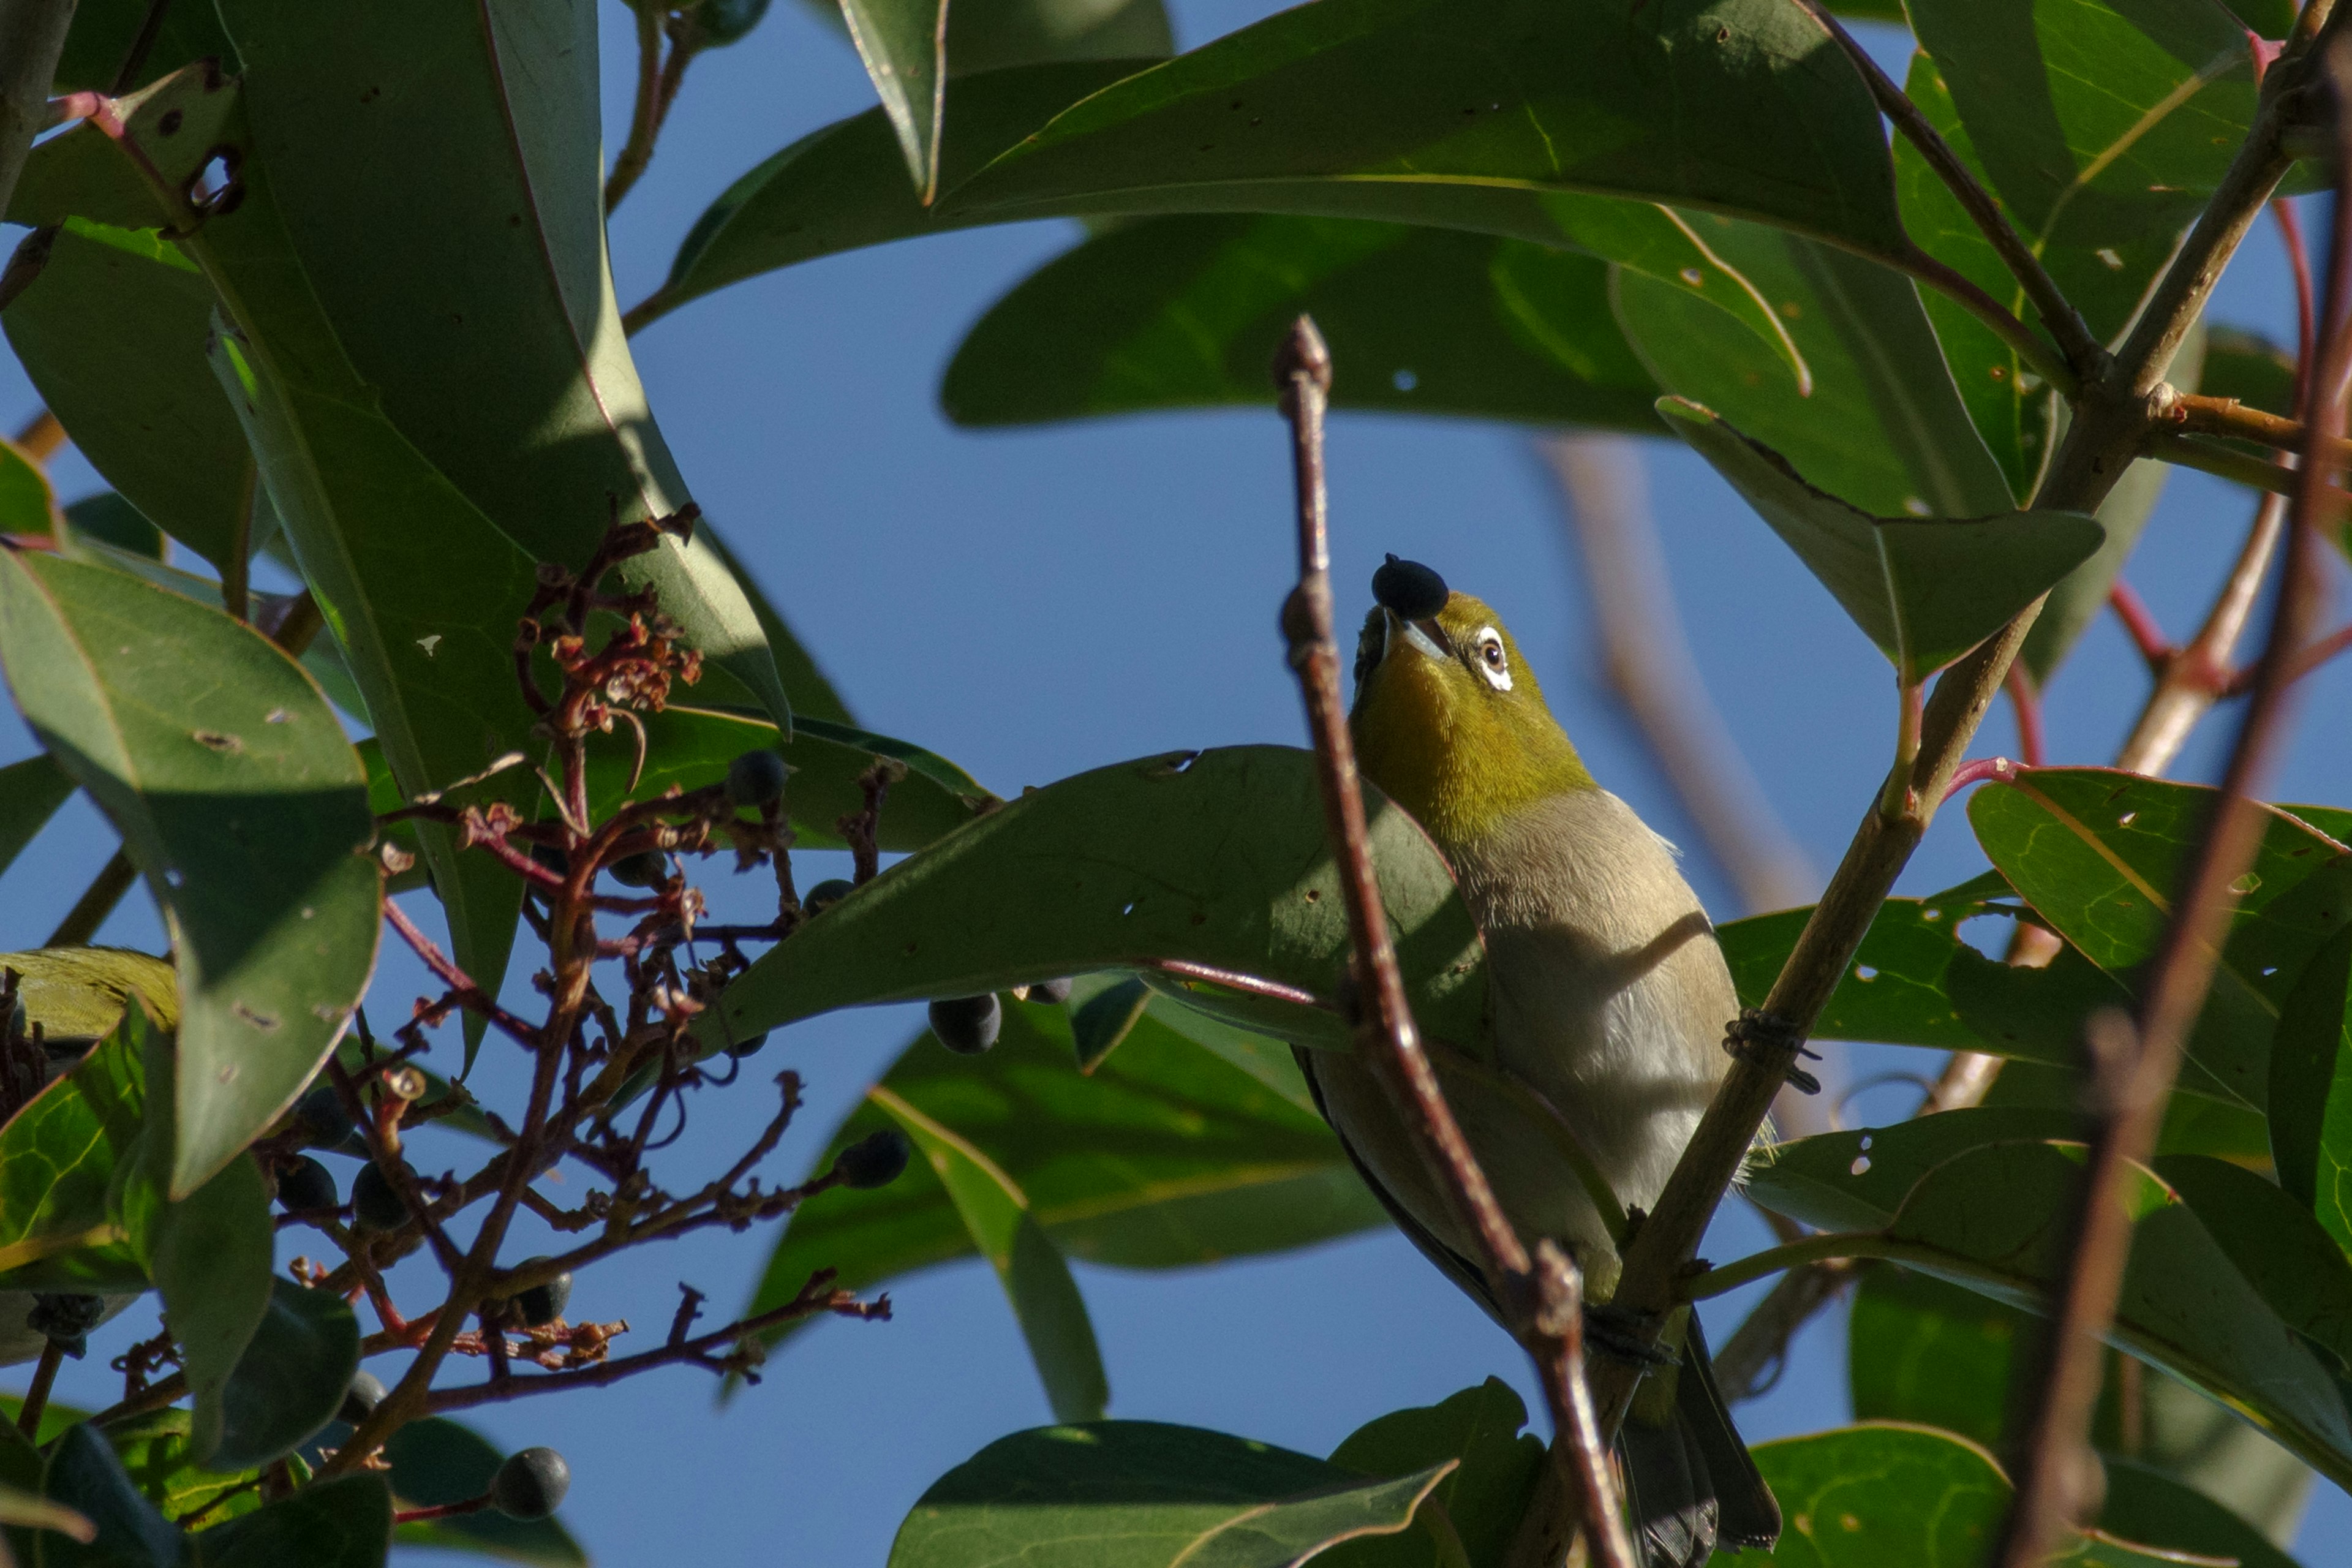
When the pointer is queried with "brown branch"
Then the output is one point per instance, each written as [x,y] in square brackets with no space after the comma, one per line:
[2229,418]
[2134,1062]
[1648,667]
[150,26]
[40,437]
[2083,356]
[658,84]
[1542,1296]
[461,984]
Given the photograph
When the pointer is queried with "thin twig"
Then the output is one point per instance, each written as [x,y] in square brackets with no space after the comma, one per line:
[151,26]
[97,901]
[645,111]
[1542,1296]
[1647,664]
[36,1397]
[2298,261]
[2083,355]
[2134,1062]
[40,437]
[2229,418]
[2027,704]
[2147,633]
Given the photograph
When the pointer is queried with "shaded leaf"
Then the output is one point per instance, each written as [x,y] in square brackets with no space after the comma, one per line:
[904,44]
[1857,1180]
[1138,1494]
[1919,1349]
[1481,1500]
[30,793]
[31,1511]
[292,1376]
[2098,854]
[1214,857]
[112,333]
[2293,1263]
[2247,366]
[2143,1504]
[83,1474]
[345,1522]
[106,519]
[1178,312]
[155,1451]
[235,792]
[2193,1124]
[1104,1010]
[1191,1143]
[1875,420]
[439,1460]
[2311,1088]
[102,31]
[1924,590]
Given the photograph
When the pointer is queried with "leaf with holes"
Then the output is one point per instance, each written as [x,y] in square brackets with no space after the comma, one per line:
[1857,1180]
[1214,858]
[235,792]
[1924,590]
[1191,1143]
[2098,855]
[1873,418]
[1138,1494]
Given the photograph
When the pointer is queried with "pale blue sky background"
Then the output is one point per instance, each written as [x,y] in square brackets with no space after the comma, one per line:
[1033,604]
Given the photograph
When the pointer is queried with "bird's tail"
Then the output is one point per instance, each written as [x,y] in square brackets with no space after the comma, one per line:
[1690,1482]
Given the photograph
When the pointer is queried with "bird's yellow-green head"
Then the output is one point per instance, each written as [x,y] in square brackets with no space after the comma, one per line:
[1449,722]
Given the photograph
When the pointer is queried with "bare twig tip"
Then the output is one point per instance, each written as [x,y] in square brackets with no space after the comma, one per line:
[1302,353]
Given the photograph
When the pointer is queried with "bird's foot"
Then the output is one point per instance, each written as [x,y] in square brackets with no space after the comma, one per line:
[1623,1334]
[1767,1040]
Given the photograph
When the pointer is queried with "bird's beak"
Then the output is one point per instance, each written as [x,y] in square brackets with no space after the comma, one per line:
[1427,635]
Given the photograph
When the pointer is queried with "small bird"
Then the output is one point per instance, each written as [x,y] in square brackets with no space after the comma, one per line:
[1607,1001]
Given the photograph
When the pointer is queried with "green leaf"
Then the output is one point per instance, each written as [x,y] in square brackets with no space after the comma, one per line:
[2311,1088]
[155,1451]
[1138,1494]
[1878,1493]
[1428,113]
[2097,853]
[2144,1503]
[1480,1500]
[291,1378]
[2082,594]
[235,792]
[1104,1010]
[2101,128]
[59,1157]
[32,1510]
[549,431]
[1992,1219]
[1921,1350]
[27,506]
[439,1460]
[1192,1143]
[1178,312]
[1858,1179]
[1214,857]
[2193,1124]
[997,1215]
[102,31]
[209,1252]
[106,519]
[2291,1262]
[2250,368]
[341,1523]
[904,44]
[691,747]
[1926,590]
[1916,981]
[77,994]
[30,793]
[112,333]
[1875,420]
[83,1474]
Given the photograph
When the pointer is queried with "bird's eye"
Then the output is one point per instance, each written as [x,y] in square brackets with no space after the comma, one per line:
[1496,665]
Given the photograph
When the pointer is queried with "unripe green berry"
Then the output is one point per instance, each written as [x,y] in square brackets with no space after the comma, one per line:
[374,1202]
[307,1186]
[967,1024]
[542,1303]
[874,1161]
[530,1484]
[755,778]
[824,895]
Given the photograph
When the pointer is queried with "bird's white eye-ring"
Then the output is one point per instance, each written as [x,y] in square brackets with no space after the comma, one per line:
[1493,662]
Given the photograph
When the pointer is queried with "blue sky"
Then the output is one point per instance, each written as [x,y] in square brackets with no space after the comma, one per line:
[1031,604]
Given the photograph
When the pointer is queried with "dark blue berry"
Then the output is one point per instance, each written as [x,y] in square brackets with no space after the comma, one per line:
[967,1024]
[307,1186]
[874,1161]
[1409,588]
[824,895]
[530,1484]
[755,778]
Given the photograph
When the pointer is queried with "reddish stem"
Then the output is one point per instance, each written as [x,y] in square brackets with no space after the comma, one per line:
[2140,622]
[2028,703]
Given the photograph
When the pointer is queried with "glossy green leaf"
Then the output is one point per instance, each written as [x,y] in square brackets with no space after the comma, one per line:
[1138,1494]
[2311,1088]
[691,747]
[208,1254]
[2102,127]
[549,430]
[1926,590]
[904,45]
[1857,1180]
[345,1522]
[2248,367]
[1467,117]
[1045,1301]
[1921,1350]
[155,1451]
[2193,1124]
[2097,853]
[1882,1492]
[83,1474]
[112,333]
[59,1157]
[28,507]
[292,1376]
[1875,421]
[1480,1501]
[439,1460]
[1191,1143]
[1179,311]
[1917,981]
[1216,858]
[30,793]
[2290,1261]
[237,794]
